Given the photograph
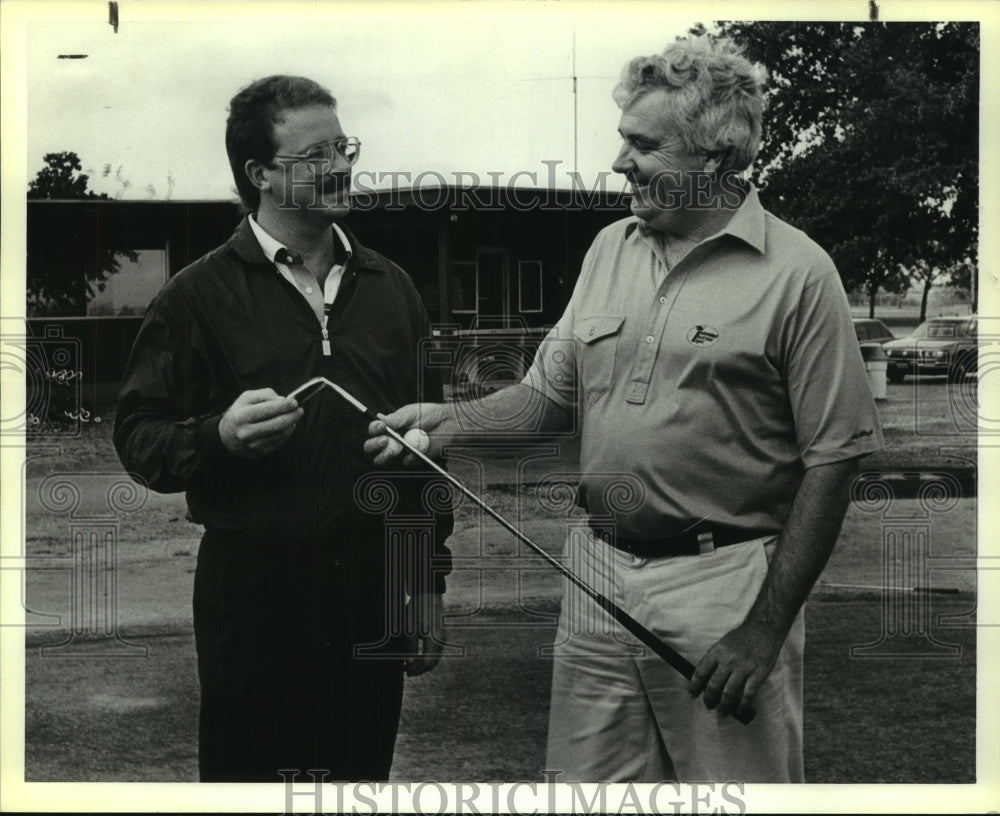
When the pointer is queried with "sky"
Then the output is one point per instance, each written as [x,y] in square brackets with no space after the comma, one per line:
[436,90]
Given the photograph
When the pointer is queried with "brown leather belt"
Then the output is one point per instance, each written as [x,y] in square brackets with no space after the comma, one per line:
[692,542]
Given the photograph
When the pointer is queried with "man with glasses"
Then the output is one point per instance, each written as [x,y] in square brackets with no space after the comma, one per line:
[300,607]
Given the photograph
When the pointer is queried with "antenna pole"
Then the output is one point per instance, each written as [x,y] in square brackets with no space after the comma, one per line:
[574,104]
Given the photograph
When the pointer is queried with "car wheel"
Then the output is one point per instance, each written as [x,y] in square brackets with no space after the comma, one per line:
[896,376]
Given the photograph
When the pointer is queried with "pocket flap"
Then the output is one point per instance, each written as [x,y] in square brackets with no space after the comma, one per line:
[589,329]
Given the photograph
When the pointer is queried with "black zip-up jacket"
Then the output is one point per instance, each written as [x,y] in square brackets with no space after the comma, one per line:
[230,322]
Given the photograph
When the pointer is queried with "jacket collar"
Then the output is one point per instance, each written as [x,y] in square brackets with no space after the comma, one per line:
[244,243]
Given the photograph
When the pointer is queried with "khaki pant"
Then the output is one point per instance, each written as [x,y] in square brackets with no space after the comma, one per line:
[619,713]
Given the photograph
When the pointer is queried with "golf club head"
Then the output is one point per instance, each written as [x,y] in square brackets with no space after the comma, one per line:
[308,389]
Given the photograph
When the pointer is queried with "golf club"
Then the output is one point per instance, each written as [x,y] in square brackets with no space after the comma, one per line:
[888,588]
[669,655]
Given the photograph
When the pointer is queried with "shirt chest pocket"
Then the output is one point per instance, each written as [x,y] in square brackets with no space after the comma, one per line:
[597,344]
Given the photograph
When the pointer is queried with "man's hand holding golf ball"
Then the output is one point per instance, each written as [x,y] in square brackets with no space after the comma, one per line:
[419,423]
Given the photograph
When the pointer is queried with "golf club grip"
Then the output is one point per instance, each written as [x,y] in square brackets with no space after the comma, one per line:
[673,658]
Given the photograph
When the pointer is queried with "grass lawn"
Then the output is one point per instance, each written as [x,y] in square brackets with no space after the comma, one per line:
[902,710]
[482,716]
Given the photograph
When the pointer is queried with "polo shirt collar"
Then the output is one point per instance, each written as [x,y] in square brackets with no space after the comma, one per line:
[270,246]
[747,223]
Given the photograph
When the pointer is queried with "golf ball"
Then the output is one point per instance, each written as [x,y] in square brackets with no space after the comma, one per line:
[418,439]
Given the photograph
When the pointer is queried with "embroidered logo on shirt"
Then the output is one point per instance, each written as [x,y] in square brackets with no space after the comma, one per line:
[702,335]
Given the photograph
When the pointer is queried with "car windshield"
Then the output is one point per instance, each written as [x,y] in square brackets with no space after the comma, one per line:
[871,330]
[944,329]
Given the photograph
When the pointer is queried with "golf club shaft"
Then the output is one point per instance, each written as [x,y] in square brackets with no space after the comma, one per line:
[664,651]
[887,588]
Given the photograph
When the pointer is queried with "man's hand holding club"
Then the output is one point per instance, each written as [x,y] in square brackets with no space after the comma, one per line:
[258,423]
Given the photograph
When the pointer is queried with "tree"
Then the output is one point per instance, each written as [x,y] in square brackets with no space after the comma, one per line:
[924,274]
[964,281]
[871,141]
[64,271]
[61,178]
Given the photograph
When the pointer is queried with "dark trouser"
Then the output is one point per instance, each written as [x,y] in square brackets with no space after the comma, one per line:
[276,625]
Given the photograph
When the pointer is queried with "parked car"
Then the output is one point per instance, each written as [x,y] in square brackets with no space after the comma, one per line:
[940,345]
[872,331]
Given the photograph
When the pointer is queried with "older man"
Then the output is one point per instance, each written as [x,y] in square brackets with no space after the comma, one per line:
[296,596]
[708,351]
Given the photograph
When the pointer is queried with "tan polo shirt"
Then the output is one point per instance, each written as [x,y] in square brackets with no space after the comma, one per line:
[704,391]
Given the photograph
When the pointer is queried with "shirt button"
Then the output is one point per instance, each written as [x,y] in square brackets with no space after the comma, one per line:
[309,290]
[663,300]
[649,339]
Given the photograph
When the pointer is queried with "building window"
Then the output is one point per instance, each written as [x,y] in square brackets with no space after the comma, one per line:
[462,287]
[529,286]
[131,289]
[114,283]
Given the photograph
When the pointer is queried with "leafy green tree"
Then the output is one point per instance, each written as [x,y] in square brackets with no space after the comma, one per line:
[65,271]
[871,141]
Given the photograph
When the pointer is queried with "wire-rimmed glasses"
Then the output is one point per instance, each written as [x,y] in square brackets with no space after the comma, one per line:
[349,147]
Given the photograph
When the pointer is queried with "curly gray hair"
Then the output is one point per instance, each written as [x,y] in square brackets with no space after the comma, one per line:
[717,96]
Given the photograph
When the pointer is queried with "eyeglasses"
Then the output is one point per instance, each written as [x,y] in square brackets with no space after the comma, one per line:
[349,147]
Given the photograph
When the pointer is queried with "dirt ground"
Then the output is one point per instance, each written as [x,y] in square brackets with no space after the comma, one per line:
[111,690]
